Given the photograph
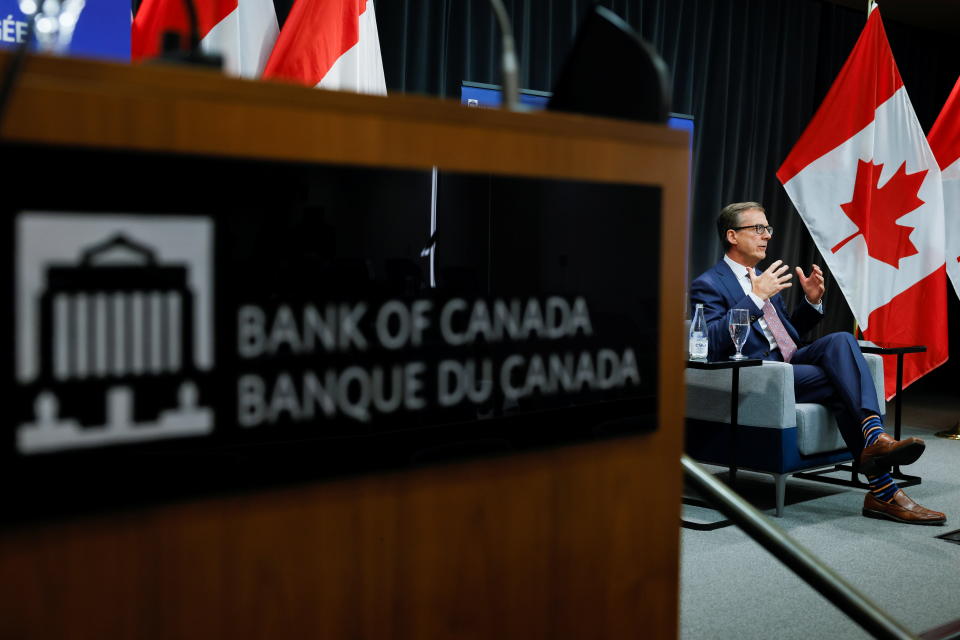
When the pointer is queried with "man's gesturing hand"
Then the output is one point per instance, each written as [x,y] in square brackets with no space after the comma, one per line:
[772,281]
[813,286]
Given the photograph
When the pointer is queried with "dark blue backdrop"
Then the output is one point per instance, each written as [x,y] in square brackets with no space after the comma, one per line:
[103,30]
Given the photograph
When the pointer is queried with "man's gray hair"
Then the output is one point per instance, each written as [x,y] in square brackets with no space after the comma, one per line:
[729,218]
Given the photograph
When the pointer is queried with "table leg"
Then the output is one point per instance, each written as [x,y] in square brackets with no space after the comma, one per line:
[896,403]
[734,418]
[905,480]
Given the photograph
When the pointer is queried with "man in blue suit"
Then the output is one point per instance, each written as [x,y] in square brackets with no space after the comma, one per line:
[830,370]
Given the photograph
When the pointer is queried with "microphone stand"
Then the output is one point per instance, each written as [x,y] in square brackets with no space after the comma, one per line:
[511,84]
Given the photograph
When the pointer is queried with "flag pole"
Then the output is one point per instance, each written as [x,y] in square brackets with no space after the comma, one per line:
[871,5]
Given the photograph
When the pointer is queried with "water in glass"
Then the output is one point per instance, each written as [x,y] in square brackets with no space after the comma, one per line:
[739,322]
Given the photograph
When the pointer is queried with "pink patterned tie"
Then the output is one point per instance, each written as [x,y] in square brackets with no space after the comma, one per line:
[786,344]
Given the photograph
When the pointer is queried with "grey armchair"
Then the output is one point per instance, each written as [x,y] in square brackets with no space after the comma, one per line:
[776,435]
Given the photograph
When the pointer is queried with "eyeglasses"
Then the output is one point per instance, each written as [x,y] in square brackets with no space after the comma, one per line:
[757,228]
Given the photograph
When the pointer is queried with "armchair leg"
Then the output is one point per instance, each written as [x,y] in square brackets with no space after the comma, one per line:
[780,481]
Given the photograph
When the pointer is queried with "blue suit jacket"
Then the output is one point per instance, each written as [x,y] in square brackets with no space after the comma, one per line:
[719,291]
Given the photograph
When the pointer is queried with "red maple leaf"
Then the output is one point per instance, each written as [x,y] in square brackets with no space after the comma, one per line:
[875,211]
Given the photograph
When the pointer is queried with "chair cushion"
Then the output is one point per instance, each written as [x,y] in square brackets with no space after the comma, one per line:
[817,430]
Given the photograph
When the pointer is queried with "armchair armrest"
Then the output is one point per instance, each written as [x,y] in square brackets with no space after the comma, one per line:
[766,395]
[875,363]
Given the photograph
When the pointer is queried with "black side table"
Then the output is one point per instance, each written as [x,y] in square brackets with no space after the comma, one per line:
[899,351]
[734,366]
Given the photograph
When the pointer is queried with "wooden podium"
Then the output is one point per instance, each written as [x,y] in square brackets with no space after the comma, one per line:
[578,540]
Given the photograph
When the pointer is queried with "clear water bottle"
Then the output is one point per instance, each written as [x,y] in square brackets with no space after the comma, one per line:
[698,335]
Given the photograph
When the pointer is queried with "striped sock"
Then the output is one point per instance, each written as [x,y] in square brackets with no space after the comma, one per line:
[882,487]
[872,428]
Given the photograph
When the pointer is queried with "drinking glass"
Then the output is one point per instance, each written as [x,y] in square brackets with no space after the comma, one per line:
[739,323]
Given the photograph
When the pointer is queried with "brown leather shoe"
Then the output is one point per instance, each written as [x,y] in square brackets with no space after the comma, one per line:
[886,452]
[901,509]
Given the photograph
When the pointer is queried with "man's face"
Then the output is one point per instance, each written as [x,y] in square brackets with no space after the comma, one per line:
[748,248]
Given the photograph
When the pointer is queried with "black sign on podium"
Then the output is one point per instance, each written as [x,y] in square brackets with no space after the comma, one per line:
[183,324]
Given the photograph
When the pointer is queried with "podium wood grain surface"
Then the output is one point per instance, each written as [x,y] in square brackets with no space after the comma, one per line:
[576,541]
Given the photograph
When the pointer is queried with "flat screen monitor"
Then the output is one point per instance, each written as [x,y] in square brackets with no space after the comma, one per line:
[478,94]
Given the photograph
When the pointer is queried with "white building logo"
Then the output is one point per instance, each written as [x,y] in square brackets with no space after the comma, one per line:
[114,328]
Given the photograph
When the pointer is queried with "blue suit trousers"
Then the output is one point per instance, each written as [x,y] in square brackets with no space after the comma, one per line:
[831,371]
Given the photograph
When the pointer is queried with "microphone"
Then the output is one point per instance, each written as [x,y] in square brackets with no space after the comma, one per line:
[511,84]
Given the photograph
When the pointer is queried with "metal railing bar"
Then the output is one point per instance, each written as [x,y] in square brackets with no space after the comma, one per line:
[798,559]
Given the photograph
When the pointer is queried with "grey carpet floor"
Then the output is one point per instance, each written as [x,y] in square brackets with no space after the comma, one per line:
[732,588]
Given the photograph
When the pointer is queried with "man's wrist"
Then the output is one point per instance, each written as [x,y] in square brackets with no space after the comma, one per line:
[817,306]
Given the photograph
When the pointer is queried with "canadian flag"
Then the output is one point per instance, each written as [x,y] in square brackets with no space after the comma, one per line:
[868,188]
[944,139]
[243,31]
[331,44]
